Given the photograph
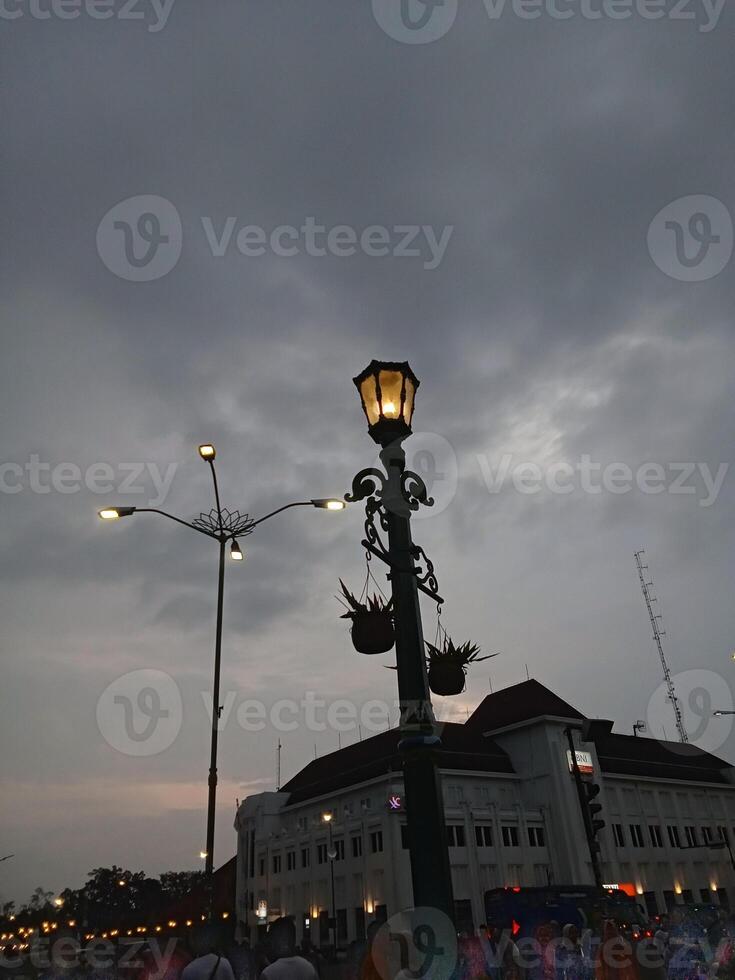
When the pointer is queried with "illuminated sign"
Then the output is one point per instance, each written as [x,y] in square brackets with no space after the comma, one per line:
[395,803]
[262,910]
[584,762]
[624,886]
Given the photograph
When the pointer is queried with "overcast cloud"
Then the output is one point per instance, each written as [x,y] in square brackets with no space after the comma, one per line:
[552,330]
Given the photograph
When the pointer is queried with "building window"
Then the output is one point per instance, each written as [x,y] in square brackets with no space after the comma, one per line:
[261,866]
[707,835]
[484,835]
[303,824]
[339,846]
[357,847]
[636,835]
[404,836]
[276,864]
[290,860]
[691,835]
[455,835]
[722,833]
[455,794]
[618,835]
[349,809]
[673,836]
[376,841]
[656,839]
[536,837]
[510,836]
[321,853]
[305,857]
[366,803]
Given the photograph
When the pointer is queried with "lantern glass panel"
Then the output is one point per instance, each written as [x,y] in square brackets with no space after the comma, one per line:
[391,386]
[370,399]
[408,407]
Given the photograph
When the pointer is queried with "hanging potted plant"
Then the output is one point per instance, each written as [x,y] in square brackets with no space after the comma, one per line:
[448,665]
[372,621]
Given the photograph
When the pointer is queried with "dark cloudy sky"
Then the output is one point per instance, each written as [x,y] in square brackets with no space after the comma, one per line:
[554,328]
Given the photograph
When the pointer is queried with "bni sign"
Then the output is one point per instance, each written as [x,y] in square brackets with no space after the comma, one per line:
[584,762]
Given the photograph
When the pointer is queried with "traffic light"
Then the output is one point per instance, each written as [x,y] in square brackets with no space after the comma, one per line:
[592,811]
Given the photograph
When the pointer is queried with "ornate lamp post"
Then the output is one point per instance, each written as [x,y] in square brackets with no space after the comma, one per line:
[223,526]
[387,391]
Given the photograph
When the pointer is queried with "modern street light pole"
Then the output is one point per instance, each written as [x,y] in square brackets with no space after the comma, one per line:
[223,526]
[327,818]
[387,391]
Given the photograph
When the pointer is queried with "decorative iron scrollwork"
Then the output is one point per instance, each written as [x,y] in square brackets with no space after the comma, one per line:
[366,483]
[413,490]
[232,523]
[426,579]
[399,492]
[373,541]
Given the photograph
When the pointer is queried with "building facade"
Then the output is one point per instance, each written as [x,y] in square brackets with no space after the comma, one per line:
[332,842]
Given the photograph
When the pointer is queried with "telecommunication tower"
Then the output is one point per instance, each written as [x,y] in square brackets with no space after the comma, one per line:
[657,634]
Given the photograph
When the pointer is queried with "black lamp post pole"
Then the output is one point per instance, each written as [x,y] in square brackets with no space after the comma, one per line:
[427,837]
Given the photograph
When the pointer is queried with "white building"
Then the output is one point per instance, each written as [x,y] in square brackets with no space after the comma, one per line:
[513,818]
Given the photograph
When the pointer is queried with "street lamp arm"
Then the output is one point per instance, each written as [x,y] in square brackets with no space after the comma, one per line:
[296,503]
[163,513]
[216,490]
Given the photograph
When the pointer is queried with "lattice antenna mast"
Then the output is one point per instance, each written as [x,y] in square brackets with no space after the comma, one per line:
[657,634]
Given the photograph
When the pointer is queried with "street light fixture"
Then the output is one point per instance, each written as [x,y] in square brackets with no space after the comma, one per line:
[115,513]
[718,713]
[387,392]
[329,503]
[223,526]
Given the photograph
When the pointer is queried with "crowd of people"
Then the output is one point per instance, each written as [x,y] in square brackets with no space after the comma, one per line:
[675,947]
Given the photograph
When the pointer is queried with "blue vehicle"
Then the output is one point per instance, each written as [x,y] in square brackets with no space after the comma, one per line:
[521,911]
